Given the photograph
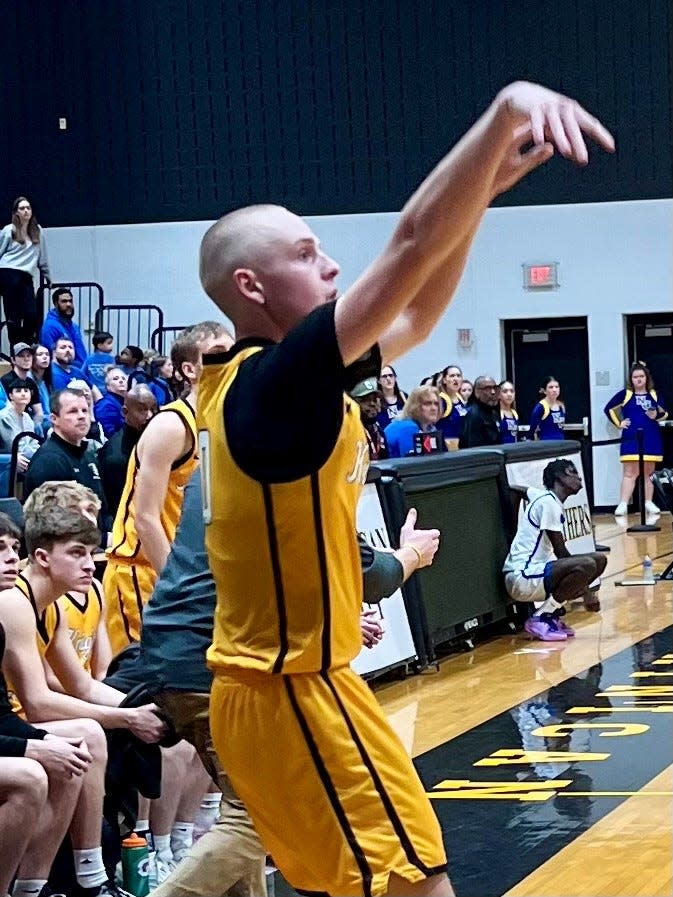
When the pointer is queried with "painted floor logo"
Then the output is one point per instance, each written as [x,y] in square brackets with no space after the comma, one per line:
[545,771]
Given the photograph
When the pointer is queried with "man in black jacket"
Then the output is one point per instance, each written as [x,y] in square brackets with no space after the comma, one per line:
[140,406]
[481,423]
[66,455]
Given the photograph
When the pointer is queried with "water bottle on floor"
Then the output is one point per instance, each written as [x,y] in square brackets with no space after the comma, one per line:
[648,572]
[135,865]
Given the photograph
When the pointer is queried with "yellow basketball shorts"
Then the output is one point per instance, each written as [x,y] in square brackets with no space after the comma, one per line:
[127,590]
[333,794]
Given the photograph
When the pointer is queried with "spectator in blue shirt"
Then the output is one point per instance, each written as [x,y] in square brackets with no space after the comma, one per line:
[63,371]
[59,323]
[100,359]
[420,414]
[130,359]
[109,411]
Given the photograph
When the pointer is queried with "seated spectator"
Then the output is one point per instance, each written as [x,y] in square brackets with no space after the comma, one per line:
[108,410]
[131,359]
[22,364]
[539,567]
[96,437]
[481,424]
[66,455]
[14,419]
[60,323]
[367,395]
[420,414]
[100,359]
[41,374]
[63,371]
[140,406]
[160,380]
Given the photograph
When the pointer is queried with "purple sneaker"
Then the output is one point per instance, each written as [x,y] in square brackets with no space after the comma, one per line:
[562,626]
[545,628]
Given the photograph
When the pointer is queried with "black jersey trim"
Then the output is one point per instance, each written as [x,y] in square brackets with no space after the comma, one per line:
[246,343]
[331,791]
[138,592]
[395,821]
[277,578]
[324,578]
[127,514]
[80,607]
[40,618]
[122,614]
[185,422]
[99,592]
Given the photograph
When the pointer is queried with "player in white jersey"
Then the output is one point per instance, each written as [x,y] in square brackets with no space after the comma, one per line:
[539,567]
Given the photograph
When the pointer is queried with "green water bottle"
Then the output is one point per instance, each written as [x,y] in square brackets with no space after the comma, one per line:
[136,865]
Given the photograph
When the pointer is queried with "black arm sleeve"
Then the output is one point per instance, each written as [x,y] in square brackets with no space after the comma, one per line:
[284,410]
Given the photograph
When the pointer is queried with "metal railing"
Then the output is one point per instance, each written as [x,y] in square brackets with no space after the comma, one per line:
[130,325]
[162,337]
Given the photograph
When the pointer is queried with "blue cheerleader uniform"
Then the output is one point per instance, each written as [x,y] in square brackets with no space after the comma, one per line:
[451,424]
[509,427]
[547,423]
[625,404]
[388,412]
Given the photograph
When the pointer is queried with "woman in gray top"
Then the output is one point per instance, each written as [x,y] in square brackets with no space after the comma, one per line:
[22,252]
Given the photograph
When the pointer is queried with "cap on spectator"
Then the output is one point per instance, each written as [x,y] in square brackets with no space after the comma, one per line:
[18,348]
[364,388]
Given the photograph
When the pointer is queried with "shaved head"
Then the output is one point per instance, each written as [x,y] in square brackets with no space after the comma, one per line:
[238,240]
[264,268]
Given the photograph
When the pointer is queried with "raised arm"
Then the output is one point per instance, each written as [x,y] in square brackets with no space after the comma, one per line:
[438,223]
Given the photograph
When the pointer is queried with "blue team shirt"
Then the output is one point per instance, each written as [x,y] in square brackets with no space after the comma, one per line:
[509,427]
[627,404]
[95,366]
[547,423]
[451,425]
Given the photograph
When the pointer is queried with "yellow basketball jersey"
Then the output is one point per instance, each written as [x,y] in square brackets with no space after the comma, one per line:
[82,615]
[46,623]
[284,556]
[126,547]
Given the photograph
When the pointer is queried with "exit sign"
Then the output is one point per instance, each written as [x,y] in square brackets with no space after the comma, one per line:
[540,277]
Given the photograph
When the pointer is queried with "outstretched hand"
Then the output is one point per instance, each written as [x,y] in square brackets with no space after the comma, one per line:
[556,119]
[547,121]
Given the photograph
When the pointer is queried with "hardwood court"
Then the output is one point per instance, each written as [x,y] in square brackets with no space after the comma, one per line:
[629,850]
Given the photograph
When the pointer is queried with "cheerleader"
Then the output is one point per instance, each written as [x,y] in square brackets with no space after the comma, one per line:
[454,408]
[549,413]
[637,408]
[509,419]
[392,397]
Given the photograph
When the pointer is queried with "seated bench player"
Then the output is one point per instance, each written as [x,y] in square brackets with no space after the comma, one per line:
[539,567]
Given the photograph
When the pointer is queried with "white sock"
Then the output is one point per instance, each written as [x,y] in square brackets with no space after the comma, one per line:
[182,837]
[207,814]
[548,606]
[89,869]
[142,825]
[28,887]
[162,845]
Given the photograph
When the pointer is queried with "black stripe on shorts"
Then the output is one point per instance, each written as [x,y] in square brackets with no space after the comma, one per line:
[330,788]
[395,821]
